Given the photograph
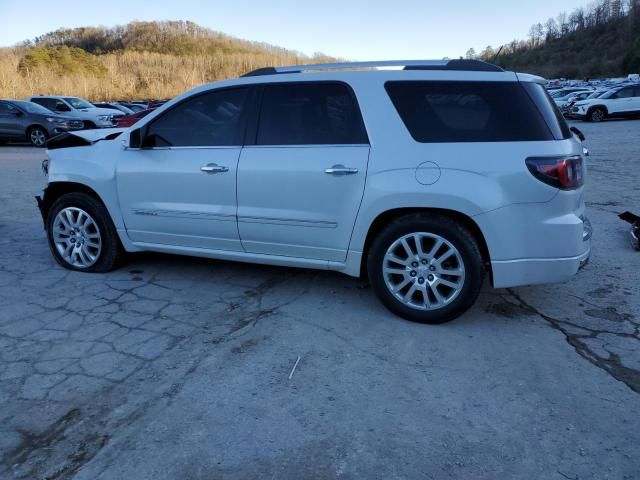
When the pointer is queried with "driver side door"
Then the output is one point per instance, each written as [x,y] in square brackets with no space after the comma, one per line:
[179,188]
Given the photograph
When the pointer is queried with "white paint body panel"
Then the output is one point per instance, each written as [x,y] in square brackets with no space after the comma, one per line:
[288,205]
[287,211]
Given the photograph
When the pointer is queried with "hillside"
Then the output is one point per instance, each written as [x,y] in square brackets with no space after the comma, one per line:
[601,42]
[138,60]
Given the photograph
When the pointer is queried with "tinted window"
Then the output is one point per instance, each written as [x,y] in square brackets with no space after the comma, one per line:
[211,119]
[624,93]
[45,102]
[549,110]
[6,109]
[309,114]
[435,112]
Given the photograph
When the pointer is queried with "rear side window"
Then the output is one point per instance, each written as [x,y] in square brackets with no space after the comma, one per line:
[309,114]
[439,112]
[45,102]
[211,119]
[549,110]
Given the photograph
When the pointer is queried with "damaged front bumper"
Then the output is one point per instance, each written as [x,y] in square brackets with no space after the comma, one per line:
[634,220]
[40,199]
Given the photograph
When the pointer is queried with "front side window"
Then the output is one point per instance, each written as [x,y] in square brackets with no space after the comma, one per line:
[4,108]
[439,112]
[309,114]
[211,119]
[624,93]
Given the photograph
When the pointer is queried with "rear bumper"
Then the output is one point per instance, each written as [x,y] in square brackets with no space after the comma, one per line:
[532,271]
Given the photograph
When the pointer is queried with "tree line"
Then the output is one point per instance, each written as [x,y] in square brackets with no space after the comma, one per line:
[602,38]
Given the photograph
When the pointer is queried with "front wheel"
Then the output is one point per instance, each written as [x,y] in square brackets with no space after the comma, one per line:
[37,136]
[426,269]
[81,234]
[597,115]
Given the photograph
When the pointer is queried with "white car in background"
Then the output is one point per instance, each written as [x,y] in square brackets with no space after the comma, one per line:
[91,116]
[618,102]
[565,100]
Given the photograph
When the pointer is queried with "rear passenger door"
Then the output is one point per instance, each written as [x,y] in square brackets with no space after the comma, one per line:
[302,171]
[10,120]
[622,101]
[635,100]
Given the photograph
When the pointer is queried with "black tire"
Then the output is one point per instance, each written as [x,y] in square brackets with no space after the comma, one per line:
[37,136]
[596,115]
[88,125]
[451,231]
[111,253]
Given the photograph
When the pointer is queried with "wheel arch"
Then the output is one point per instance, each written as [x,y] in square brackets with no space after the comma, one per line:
[388,216]
[57,189]
[601,107]
[34,125]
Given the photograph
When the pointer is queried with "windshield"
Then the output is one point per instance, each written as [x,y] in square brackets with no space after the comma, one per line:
[76,102]
[30,107]
[597,94]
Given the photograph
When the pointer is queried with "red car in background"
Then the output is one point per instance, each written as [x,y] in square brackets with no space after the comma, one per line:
[129,120]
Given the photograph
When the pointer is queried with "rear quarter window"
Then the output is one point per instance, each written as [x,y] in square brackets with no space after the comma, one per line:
[440,112]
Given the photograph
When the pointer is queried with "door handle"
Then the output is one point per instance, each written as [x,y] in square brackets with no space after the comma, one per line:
[341,170]
[213,168]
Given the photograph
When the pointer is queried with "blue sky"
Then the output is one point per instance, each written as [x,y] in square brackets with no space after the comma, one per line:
[356,29]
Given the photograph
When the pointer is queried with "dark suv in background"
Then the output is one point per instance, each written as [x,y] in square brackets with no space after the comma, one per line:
[21,120]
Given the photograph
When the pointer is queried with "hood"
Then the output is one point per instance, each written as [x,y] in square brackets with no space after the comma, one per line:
[83,138]
[101,111]
[58,116]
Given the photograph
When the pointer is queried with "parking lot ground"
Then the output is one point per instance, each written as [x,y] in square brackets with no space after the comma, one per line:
[178,368]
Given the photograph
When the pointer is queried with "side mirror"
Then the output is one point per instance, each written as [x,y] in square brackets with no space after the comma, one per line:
[578,133]
[19,113]
[134,139]
[62,108]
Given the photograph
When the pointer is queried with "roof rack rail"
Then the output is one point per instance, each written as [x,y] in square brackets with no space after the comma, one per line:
[459,65]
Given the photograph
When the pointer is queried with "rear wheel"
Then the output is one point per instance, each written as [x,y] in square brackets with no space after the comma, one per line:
[597,115]
[426,269]
[37,136]
[81,234]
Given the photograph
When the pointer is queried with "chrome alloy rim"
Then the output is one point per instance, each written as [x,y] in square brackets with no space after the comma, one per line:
[423,271]
[77,237]
[38,137]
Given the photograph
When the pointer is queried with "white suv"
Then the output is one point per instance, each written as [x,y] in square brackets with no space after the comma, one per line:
[426,179]
[91,116]
[619,102]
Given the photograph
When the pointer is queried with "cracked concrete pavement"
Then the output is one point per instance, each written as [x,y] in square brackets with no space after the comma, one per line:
[176,367]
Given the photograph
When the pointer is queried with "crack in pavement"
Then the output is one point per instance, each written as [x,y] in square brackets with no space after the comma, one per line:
[612,365]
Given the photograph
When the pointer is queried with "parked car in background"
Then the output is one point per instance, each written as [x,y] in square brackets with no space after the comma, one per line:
[134,107]
[79,108]
[129,120]
[563,92]
[618,102]
[116,106]
[426,179]
[21,120]
[562,100]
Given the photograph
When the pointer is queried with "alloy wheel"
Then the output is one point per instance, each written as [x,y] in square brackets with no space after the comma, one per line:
[76,237]
[37,137]
[423,271]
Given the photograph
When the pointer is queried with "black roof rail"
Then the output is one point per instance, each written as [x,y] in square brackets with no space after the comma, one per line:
[459,65]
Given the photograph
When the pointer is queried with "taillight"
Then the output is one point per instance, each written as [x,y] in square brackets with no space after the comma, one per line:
[565,173]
